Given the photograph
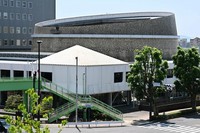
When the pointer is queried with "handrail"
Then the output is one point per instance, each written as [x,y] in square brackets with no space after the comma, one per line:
[14,79]
[83,99]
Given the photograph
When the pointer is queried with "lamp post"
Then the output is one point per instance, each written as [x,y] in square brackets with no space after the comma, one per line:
[76,90]
[39,92]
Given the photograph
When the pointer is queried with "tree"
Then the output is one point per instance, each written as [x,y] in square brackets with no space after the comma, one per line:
[187,72]
[26,122]
[147,69]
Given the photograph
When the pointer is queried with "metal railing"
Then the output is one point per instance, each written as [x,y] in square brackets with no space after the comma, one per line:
[83,100]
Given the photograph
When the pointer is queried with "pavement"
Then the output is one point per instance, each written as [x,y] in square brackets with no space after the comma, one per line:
[135,117]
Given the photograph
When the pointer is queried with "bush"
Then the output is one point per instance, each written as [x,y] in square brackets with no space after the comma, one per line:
[12,102]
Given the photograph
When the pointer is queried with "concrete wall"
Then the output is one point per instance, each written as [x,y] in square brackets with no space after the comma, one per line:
[120,48]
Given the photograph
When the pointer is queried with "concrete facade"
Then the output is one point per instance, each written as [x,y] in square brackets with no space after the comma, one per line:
[116,35]
[17,20]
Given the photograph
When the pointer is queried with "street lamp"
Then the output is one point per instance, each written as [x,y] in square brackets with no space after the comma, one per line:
[39,93]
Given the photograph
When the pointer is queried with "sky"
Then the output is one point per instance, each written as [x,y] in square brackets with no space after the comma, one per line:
[187,12]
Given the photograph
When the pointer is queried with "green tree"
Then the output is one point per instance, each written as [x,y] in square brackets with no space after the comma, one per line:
[187,72]
[147,69]
[27,122]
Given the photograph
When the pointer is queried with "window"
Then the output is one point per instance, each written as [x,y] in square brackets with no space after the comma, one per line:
[18,3]
[18,16]
[5,73]
[12,30]
[24,4]
[0,15]
[24,42]
[18,30]
[30,17]
[0,42]
[12,16]
[30,42]
[11,3]
[5,2]
[5,15]
[47,75]
[24,30]
[24,16]
[169,73]
[5,42]
[118,77]
[0,29]
[12,42]
[18,42]
[30,30]
[0,2]
[5,29]
[18,73]
[30,5]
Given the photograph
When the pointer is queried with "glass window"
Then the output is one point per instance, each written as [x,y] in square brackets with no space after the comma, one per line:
[5,15]
[18,42]
[12,16]
[12,42]
[118,77]
[24,4]
[11,3]
[5,29]
[169,73]
[30,17]
[5,2]
[30,42]
[0,42]
[18,30]
[30,30]
[12,30]
[5,42]
[18,16]
[24,30]
[24,16]
[0,2]
[0,29]
[30,5]
[24,42]
[0,15]
[18,3]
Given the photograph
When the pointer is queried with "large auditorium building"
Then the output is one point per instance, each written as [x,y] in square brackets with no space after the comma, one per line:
[116,35]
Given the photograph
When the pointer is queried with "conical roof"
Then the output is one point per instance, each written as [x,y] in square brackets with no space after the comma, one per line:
[86,57]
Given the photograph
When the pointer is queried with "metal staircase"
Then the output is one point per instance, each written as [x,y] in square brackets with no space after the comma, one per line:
[83,101]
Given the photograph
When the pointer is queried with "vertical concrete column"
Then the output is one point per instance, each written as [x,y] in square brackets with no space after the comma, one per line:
[110,99]
[11,73]
[25,74]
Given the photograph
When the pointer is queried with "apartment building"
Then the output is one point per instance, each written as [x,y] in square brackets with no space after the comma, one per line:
[17,20]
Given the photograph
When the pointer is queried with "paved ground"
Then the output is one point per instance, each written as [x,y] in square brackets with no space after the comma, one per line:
[132,117]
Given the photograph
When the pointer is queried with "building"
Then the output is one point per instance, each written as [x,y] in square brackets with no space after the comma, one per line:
[116,35]
[195,42]
[98,74]
[17,20]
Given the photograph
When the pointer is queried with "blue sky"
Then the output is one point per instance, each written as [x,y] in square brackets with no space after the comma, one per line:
[187,12]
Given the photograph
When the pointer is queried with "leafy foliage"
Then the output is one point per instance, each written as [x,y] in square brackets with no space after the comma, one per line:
[13,102]
[27,122]
[147,69]
[187,71]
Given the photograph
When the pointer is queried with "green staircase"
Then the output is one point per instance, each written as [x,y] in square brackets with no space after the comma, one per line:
[83,101]
[61,111]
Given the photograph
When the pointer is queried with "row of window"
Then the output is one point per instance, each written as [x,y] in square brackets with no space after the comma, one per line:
[17,30]
[13,3]
[17,16]
[118,76]
[12,42]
